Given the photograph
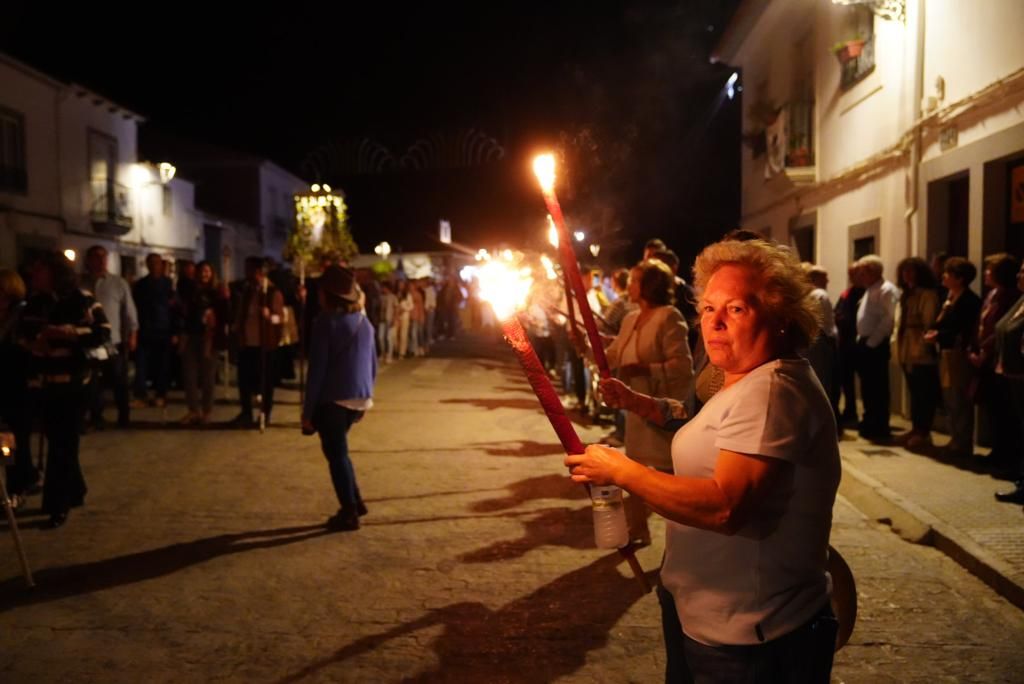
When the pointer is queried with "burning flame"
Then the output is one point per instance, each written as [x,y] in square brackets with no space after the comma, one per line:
[504,286]
[549,267]
[552,232]
[544,169]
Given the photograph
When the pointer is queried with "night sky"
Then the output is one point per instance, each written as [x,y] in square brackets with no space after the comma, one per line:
[420,113]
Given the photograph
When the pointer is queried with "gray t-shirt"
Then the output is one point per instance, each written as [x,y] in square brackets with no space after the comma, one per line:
[770,577]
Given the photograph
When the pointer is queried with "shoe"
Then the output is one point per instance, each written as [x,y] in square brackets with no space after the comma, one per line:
[1015,496]
[17,501]
[242,420]
[189,418]
[361,508]
[56,520]
[343,522]
[139,403]
[160,402]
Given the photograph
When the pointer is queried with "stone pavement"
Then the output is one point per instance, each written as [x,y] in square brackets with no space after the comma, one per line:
[200,556]
[948,504]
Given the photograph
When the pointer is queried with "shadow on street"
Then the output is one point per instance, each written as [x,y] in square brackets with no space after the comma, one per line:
[524,640]
[74,580]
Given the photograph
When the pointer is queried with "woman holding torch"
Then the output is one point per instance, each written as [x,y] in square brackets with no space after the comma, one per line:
[749,506]
[650,355]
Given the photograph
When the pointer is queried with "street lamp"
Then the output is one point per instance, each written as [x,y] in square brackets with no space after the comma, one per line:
[595,249]
[382,250]
[579,235]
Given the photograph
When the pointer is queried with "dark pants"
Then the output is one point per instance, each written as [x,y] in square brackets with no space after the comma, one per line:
[332,422]
[112,373]
[848,379]
[803,656]
[1017,399]
[22,474]
[873,370]
[923,382]
[257,374]
[152,364]
[64,485]
[676,670]
[198,371]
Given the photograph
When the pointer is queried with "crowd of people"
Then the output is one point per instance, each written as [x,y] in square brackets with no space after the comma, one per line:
[69,339]
[729,397]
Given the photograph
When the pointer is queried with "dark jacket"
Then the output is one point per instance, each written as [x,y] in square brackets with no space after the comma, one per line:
[62,363]
[155,302]
[957,321]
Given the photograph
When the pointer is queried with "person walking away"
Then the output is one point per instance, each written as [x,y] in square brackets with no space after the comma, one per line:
[342,370]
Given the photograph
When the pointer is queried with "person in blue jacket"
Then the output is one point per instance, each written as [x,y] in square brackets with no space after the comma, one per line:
[342,369]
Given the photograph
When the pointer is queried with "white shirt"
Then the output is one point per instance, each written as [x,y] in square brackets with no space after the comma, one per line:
[115,296]
[828,315]
[769,578]
[876,313]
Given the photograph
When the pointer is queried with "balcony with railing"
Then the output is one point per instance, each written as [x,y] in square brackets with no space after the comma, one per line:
[110,208]
[799,163]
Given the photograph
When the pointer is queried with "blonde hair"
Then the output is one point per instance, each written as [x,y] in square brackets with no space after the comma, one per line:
[784,288]
[11,285]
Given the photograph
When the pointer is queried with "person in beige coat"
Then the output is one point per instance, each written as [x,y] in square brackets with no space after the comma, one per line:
[919,306]
[652,356]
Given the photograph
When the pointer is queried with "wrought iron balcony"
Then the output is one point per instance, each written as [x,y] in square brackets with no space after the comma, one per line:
[111,208]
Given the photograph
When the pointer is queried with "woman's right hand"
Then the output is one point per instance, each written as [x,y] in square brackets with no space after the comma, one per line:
[615,393]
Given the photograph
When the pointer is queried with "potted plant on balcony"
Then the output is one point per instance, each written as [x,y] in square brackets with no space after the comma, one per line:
[847,50]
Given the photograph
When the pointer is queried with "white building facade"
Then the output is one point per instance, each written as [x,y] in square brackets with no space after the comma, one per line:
[893,127]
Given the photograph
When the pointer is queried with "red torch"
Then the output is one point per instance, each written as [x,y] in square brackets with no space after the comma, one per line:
[506,289]
[544,169]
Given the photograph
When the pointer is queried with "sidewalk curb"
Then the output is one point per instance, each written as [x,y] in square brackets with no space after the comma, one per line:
[956,544]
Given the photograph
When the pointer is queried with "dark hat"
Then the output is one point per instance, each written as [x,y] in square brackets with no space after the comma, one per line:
[340,282]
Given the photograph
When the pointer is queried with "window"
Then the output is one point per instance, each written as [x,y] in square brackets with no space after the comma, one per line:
[864,238]
[13,174]
[168,200]
[855,48]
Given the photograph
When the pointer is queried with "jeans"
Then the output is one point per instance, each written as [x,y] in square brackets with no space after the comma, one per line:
[332,422]
[676,671]
[415,328]
[385,341]
[429,329]
[804,656]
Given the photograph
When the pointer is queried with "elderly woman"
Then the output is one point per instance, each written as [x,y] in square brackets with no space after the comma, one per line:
[342,370]
[953,332]
[749,505]
[650,355]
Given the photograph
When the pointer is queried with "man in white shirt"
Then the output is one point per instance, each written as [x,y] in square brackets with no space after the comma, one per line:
[115,296]
[875,317]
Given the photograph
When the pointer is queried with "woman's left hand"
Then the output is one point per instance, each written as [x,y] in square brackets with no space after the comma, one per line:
[599,464]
